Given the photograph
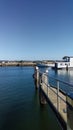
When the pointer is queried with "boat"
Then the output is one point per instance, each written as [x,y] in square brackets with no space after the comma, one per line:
[43,65]
[66,63]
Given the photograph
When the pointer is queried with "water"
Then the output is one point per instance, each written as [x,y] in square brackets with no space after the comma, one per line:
[63,75]
[19,102]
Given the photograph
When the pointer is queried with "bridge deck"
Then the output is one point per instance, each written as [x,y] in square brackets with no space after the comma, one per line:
[57,102]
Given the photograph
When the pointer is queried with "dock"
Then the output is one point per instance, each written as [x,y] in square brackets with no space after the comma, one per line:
[60,102]
[51,94]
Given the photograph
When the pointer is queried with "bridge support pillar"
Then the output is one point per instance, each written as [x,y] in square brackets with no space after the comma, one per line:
[42,97]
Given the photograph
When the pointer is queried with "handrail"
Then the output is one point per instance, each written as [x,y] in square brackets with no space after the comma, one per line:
[61,81]
[57,79]
[54,91]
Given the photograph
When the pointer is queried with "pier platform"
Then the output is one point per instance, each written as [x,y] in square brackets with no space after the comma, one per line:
[61,107]
[61,102]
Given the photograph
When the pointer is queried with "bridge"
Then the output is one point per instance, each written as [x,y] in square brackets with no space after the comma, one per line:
[60,102]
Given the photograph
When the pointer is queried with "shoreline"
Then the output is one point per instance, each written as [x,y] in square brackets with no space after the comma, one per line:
[17,64]
[22,63]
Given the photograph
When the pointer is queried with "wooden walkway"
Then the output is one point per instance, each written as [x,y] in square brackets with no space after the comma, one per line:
[61,103]
[57,102]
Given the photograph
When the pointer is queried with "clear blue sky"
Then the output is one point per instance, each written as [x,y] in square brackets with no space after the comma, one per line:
[36,29]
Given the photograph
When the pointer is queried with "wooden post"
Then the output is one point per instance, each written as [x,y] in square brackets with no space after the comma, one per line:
[36,77]
[43,86]
[67,67]
[42,97]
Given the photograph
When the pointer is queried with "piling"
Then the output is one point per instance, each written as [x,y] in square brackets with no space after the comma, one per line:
[67,67]
[43,77]
[36,77]
[42,97]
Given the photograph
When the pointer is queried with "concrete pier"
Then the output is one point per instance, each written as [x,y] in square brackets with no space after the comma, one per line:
[59,101]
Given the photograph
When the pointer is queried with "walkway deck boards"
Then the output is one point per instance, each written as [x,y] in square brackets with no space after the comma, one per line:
[53,98]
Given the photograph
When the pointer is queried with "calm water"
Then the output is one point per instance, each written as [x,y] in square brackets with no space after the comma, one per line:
[63,75]
[19,102]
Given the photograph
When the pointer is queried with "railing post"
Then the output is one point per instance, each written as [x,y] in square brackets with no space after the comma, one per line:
[58,103]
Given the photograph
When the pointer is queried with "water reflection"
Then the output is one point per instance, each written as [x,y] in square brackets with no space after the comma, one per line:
[43,69]
[19,102]
[63,75]
[66,75]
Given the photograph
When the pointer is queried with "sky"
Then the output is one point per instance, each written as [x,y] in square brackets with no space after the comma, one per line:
[36,29]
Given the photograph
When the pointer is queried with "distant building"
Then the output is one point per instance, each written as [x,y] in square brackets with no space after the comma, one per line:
[67,62]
